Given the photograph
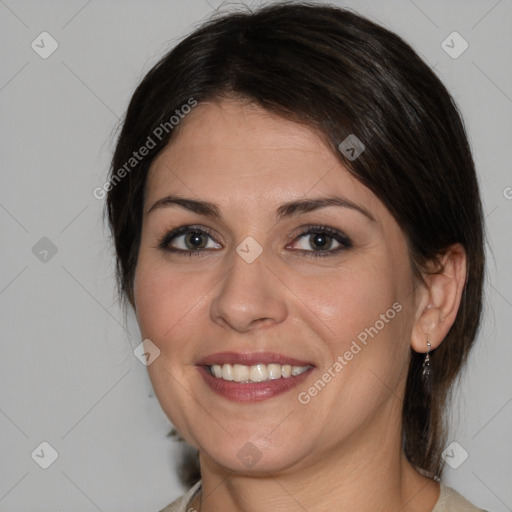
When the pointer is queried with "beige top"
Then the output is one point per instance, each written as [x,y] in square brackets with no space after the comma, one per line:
[449,501]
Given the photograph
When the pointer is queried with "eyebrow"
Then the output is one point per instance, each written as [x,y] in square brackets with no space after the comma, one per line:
[286,210]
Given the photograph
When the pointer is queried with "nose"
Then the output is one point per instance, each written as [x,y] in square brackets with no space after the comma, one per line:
[250,296]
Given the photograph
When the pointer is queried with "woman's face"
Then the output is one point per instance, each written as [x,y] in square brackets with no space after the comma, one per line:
[263,286]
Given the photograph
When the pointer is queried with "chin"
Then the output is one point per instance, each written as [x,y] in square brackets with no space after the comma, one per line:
[257,456]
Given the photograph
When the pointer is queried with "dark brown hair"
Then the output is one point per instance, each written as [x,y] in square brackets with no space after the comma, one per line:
[340,74]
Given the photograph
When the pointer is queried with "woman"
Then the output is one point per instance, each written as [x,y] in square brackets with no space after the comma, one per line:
[298,227]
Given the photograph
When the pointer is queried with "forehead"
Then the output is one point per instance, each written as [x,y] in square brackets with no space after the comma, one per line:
[227,150]
[249,125]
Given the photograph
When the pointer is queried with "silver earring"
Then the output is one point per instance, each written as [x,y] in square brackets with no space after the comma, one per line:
[427,371]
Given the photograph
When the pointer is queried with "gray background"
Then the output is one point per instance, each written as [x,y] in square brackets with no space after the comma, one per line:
[68,373]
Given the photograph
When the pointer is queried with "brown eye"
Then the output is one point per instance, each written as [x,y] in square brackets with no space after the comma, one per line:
[320,239]
[195,240]
[187,239]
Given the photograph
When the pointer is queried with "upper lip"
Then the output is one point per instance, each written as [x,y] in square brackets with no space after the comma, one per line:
[250,359]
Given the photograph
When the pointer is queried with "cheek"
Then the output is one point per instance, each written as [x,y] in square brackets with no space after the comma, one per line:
[167,306]
[164,300]
[148,296]
[353,300]
[364,325]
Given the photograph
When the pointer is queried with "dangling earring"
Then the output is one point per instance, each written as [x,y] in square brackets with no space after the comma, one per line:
[427,371]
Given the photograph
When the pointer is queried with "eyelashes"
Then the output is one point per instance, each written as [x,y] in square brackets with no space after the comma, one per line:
[318,236]
[179,232]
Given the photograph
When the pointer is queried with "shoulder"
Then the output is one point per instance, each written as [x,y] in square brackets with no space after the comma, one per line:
[181,504]
[451,501]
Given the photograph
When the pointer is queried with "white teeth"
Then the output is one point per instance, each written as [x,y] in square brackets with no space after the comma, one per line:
[258,373]
[240,372]
[217,371]
[227,372]
[274,371]
[255,373]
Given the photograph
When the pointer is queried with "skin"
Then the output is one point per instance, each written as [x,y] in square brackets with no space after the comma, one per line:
[328,453]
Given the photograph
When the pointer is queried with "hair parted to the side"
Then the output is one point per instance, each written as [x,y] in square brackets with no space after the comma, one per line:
[339,73]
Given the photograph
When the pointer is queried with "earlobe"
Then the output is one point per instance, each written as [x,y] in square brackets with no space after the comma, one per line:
[440,299]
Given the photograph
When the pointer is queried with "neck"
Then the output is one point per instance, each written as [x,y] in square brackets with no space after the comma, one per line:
[369,473]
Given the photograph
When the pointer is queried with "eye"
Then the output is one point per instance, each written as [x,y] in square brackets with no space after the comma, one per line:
[187,240]
[321,239]
[192,241]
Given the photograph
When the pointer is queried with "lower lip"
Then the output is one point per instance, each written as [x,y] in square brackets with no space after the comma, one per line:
[253,391]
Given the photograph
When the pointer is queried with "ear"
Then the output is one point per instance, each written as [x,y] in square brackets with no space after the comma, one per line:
[438,299]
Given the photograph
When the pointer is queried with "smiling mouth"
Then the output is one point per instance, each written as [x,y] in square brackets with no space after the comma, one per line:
[254,373]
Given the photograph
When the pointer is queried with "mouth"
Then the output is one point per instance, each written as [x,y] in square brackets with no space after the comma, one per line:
[252,377]
[256,373]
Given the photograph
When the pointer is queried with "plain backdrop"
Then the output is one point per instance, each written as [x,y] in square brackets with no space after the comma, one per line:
[69,376]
